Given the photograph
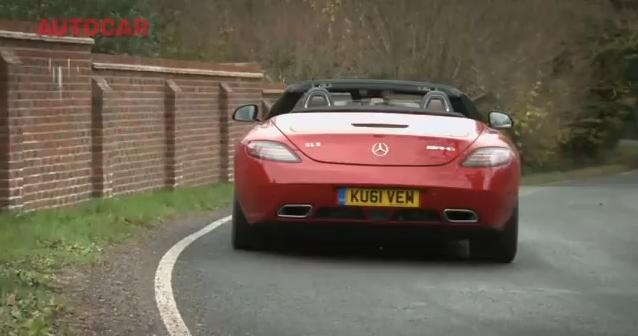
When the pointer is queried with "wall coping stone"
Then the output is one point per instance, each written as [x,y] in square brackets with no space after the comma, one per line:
[181,71]
[37,37]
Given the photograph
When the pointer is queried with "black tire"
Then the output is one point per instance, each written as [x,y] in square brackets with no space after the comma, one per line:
[500,246]
[243,236]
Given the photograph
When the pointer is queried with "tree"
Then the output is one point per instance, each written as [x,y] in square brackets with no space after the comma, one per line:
[609,110]
[35,10]
[552,64]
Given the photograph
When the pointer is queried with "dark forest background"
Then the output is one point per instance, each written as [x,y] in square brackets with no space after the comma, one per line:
[567,70]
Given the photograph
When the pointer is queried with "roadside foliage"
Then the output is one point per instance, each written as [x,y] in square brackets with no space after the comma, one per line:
[564,69]
[567,70]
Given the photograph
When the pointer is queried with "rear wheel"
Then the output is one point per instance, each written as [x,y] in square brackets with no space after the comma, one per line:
[243,236]
[498,247]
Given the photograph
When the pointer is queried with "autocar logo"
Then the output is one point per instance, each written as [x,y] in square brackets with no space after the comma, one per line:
[380,149]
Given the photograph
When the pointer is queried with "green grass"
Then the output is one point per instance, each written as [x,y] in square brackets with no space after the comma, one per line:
[552,177]
[623,158]
[33,246]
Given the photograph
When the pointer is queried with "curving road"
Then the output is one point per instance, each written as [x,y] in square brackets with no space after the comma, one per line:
[576,274]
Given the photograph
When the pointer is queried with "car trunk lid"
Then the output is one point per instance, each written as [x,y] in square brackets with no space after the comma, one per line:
[384,139]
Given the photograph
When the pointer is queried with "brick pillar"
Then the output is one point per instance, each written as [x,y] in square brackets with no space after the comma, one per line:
[11,179]
[102,137]
[174,169]
[225,166]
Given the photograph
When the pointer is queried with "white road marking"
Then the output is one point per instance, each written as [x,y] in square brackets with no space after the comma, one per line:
[163,281]
[164,297]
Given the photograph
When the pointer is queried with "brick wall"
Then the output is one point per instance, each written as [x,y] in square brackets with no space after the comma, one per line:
[49,154]
[76,125]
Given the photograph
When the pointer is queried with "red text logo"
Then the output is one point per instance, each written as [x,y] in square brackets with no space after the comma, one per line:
[90,27]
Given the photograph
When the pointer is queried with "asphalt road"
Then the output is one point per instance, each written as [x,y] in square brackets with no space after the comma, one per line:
[576,274]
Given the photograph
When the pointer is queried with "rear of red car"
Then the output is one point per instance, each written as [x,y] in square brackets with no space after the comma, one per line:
[331,168]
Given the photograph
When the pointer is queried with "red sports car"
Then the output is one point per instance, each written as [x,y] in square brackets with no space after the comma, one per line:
[378,153]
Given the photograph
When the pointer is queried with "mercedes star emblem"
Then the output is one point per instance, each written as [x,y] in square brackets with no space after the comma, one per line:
[380,149]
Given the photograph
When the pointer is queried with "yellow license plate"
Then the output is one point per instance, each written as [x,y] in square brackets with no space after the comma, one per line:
[379,197]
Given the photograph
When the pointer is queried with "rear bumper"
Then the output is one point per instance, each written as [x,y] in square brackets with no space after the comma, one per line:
[263,187]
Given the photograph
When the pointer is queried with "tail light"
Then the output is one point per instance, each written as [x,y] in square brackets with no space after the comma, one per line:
[489,157]
[271,150]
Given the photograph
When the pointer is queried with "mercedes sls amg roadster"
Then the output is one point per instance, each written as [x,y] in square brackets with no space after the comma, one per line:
[378,153]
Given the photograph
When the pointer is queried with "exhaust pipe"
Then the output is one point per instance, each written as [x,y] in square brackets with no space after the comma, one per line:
[294,211]
[460,216]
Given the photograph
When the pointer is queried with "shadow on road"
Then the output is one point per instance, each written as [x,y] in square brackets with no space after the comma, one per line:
[367,250]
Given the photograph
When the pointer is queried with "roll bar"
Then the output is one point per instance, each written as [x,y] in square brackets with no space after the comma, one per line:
[437,95]
[317,92]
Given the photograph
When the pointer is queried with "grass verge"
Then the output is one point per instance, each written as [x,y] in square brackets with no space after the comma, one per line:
[552,177]
[33,246]
[623,158]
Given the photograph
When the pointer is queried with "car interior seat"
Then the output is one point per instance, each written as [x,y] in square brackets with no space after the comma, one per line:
[436,105]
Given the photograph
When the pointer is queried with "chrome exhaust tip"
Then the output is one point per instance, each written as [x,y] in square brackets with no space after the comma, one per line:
[460,216]
[294,211]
